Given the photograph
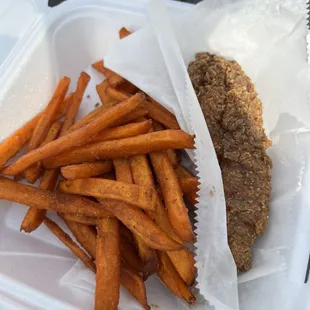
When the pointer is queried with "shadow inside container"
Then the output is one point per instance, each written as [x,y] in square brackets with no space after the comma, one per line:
[7,43]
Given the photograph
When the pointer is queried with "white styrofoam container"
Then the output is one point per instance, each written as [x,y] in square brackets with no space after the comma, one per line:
[59,41]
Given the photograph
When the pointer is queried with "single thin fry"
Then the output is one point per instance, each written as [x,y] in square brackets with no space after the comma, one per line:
[99,66]
[170,277]
[124,32]
[108,265]
[140,224]
[86,170]
[148,255]
[183,259]
[142,175]
[105,98]
[122,170]
[13,144]
[173,197]
[134,283]
[189,184]
[34,217]
[113,78]
[125,131]
[85,235]
[44,124]
[66,239]
[78,136]
[142,144]
[117,94]
[140,196]
[160,114]
[47,200]
[91,221]
[76,102]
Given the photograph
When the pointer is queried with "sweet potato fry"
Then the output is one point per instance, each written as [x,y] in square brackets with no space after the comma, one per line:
[76,102]
[125,131]
[170,277]
[142,144]
[142,175]
[44,124]
[90,221]
[123,170]
[140,224]
[127,87]
[78,136]
[47,200]
[108,265]
[160,114]
[86,170]
[189,184]
[105,98]
[148,255]
[173,197]
[13,144]
[34,217]
[124,32]
[85,235]
[142,197]
[113,78]
[99,66]
[183,259]
[117,94]
[134,283]
[66,239]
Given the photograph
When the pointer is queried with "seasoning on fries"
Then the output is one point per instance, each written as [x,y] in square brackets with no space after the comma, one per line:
[76,137]
[133,222]
[127,147]
[87,170]
[140,196]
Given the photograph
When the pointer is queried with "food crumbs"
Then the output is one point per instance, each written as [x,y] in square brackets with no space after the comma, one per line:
[154,306]
[88,96]
[97,105]
[211,193]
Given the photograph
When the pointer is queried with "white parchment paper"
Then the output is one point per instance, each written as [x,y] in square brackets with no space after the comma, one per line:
[268,38]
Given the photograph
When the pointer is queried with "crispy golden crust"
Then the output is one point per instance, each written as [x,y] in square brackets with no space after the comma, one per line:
[234,116]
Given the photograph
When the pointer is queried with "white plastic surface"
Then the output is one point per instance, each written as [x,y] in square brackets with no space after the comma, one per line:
[61,41]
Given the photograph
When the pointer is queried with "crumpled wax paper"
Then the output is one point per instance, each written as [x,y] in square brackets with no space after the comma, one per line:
[268,39]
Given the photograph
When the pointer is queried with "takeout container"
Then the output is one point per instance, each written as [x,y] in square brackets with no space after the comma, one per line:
[61,41]
[69,38]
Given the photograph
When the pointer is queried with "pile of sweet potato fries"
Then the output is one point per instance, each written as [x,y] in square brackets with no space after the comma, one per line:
[123,188]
